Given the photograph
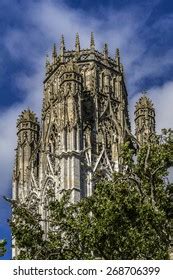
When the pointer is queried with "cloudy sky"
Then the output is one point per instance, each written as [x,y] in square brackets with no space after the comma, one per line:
[142,30]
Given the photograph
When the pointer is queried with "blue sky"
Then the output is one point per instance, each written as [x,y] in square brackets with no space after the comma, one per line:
[141,29]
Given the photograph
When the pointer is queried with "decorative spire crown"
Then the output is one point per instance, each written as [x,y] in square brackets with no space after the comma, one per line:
[144,102]
[27,115]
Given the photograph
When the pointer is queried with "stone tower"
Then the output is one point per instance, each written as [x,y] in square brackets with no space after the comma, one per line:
[84,116]
[144,119]
[84,123]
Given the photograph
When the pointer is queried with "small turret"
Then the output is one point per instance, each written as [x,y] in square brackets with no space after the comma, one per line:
[27,141]
[144,119]
[27,126]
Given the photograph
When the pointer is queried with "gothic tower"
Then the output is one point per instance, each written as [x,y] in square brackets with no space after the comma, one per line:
[84,123]
[144,119]
[84,117]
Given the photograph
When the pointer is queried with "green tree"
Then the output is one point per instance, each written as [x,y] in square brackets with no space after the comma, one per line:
[126,218]
[2,247]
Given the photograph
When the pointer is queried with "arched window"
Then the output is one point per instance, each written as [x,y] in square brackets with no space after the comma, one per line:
[53,139]
[114,87]
[102,80]
[47,196]
[34,203]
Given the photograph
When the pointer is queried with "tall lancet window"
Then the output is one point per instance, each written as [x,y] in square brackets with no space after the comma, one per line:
[48,197]
[52,144]
[34,203]
[53,138]
[102,80]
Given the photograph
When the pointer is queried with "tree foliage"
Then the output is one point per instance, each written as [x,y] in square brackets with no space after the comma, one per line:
[2,247]
[126,218]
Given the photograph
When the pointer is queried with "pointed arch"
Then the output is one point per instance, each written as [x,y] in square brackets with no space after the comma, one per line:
[53,138]
[47,195]
[33,202]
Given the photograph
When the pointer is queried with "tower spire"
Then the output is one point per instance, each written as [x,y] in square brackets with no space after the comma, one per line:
[77,43]
[92,43]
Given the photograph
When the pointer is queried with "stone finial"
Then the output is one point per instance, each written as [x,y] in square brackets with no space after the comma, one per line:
[77,43]
[117,52]
[54,52]
[62,48]
[92,43]
[62,44]
[105,51]
[117,57]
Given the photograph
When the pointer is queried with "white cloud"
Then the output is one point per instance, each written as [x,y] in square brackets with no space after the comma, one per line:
[43,22]
[162,98]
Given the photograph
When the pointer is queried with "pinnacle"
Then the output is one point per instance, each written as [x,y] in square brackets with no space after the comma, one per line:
[77,43]
[54,53]
[62,43]
[47,60]
[117,52]
[92,43]
[105,51]
[117,57]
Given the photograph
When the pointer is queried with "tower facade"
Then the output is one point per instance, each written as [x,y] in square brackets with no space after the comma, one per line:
[85,107]
[84,123]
